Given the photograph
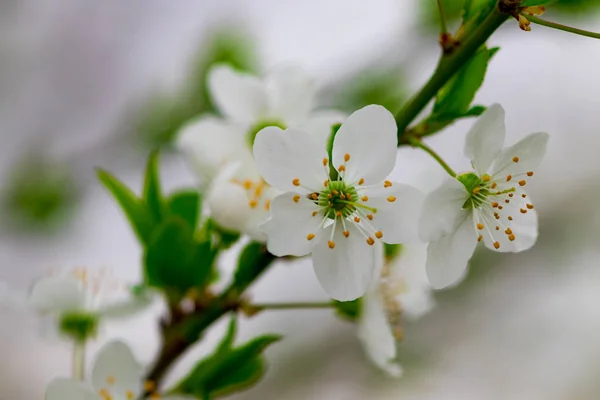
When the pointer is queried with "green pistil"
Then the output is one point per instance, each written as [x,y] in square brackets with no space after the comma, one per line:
[253,131]
[478,189]
[338,198]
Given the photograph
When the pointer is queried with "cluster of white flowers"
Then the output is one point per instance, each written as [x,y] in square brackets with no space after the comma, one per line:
[271,175]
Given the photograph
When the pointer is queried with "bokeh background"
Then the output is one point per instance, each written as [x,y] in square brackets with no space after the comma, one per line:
[89,83]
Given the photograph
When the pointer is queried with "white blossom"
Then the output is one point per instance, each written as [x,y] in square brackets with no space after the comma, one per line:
[488,204]
[116,375]
[219,149]
[402,290]
[338,221]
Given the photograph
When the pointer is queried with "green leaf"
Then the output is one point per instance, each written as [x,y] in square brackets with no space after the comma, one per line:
[456,96]
[227,342]
[476,10]
[227,370]
[152,193]
[187,205]
[174,260]
[348,310]
[529,3]
[251,261]
[134,208]
[333,174]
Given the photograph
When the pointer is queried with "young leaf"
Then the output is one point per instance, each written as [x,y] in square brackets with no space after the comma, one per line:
[348,310]
[174,260]
[135,209]
[253,258]
[528,3]
[187,205]
[152,192]
[456,96]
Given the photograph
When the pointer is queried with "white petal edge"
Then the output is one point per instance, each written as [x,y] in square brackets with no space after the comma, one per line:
[369,137]
[290,94]
[441,210]
[239,96]
[209,143]
[57,294]
[285,155]
[68,389]
[376,335]
[530,152]
[398,220]
[345,272]
[319,125]
[447,258]
[290,223]
[134,303]
[115,361]
[486,138]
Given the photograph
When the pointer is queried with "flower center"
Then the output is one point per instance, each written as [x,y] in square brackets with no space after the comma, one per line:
[338,199]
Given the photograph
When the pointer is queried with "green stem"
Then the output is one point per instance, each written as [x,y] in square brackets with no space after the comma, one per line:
[293,306]
[417,143]
[448,66]
[561,27]
[443,24]
[78,360]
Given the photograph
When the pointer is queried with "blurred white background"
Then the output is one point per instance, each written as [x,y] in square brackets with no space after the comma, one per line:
[523,327]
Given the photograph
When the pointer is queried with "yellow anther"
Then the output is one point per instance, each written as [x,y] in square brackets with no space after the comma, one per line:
[365,198]
[104,393]
[338,213]
[507,201]
[494,204]
[530,173]
[342,168]
[329,195]
[346,233]
[314,196]
[370,241]
[508,178]
[356,219]
[326,183]
[391,199]
[252,203]
[479,238]
[310,236]
[346,157]
[387,184]
[370,216]
[530,206]
[129,395]
[335,192]
[325,162]
[296,182]
[258,190]
[523,211]
[510,218]
[314,214]
[296,198]
[476,190]
[497,245]
[331,244]
[111,380]
[522,182]
[523,195]
[349,196]
[511,237]
[508,231]
[149,386]
[343,196]
[494,185]
[497,228]
[480,226]
[378,234]
[515,159]
[497,216]
[247,184]
[486,178]
[510,195]
[500,207]
[361,181]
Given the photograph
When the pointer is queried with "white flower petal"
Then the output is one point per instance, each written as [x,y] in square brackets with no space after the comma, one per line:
[345,271]
[523,225]
[209,143]
[398,219]
[57,294]
[529,152]
[239,96]
[369,137]
[116,370]
[319,125]
[486,138]
[376,334]
[135,303]
[442,210]
[447,257]
[408,270]
[228,203]
[290,223]
[260,215]
[282,156]
[68,389]
[290,94]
